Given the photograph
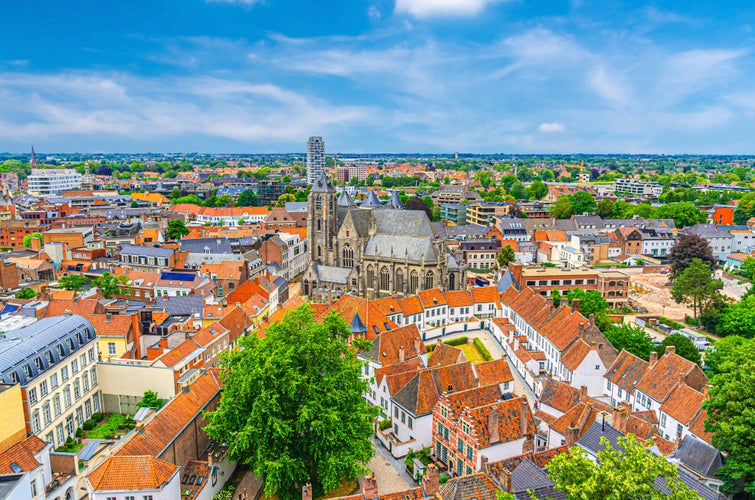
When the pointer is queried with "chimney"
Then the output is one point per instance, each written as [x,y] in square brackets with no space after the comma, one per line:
[401,354]
[163,343]
[592,320]
[683,378]
[245,496]
[506,481]
[581,331]
[575,305]
[483,464]
[583,393]
[417,346]
[210,459]
[670,349]
[306,491]
[108,317]
[653,358]
[620,419]
[140,429]
[369,487]
[67,312]
[549,302]
[494,422]
[431,481]
[524,411]
[572,435]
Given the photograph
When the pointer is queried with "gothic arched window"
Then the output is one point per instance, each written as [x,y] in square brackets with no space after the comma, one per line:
[348,256]
[400,280]
[318,203]
[429,280]
[370,277]
[385,279]
[413,282]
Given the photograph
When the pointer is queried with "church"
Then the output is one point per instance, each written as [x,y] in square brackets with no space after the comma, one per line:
[373,250]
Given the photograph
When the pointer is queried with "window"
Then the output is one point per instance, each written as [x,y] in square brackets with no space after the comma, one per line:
[83,360]
[111,348]
[85,379]
[64,373]
[35,422]
[32,396]
[56,408]
[76,390]
[46,416]
[69,425]
[429,280]
[470,452]
[413,282]
[147,497]
[131,497]
[348,256]
[460,445]
[370,277]
[90,353]
[399,280]
[663,420]
[465,427]
[384,279]
[59,433]
[53,380]
[75,366]
[43,388]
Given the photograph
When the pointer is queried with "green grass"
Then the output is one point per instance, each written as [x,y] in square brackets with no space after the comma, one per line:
[107,429]
[70,447]
[472,354]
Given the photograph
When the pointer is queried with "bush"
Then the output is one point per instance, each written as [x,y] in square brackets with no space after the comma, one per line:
[483,350]
[670,322]
[79,433]
[456,341]
[430,347]
[98,417]
[385,424]
[443,479]
[89,425]
[225,493]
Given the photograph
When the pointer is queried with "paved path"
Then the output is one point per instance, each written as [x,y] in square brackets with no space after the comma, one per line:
[390,473]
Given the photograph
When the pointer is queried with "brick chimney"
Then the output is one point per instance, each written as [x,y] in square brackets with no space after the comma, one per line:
[163,342]
[572,435]
[483,463]
[494,421]
[506,482]
[581,331]
[653,358]
[549,302]
[431,481]
[683,378]
[401,354]
[369,487]
[306,491]
[670,348]
[583,393]
[620,419]
[210,459]
[575,305]
[592,320]
[524,411]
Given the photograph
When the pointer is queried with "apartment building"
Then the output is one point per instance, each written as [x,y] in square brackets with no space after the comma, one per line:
[53,181]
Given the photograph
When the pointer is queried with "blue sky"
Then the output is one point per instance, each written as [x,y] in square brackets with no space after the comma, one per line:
[479,76]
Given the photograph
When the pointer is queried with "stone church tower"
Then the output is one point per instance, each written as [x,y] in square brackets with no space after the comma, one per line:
[322,221]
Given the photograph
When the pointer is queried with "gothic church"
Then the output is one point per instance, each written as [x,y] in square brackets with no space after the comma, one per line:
[373,250]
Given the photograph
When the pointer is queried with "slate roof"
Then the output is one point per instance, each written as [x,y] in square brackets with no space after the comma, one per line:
[505,281]
[202,245]
[332,274]
[475,486]
[699,456]
[344,200]
[371,201]
[395,201]
[146,251]
[402,222]
[389,245]
[180,306]
[322,185]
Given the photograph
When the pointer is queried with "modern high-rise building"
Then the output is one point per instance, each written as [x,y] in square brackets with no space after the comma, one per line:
[315,158]
[44,181]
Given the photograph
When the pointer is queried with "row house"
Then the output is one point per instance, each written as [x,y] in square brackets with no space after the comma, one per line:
[180,283]
[147,259]
[575,350]
[480,424]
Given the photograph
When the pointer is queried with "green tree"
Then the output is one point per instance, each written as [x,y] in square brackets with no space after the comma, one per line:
[725,348]
[109,284]
[175,193]
[247,198]
[632,339]
[583,203]
[518,191]
[687,248]
[730,415]
[29,237]
[696,286]
[747,268]
[177,229]
[192,199]
[556,297]
[537,190]
[685,214]
[505,256]
[73,282]
[485,178]
[683,346]
[150,400]
[626,472]
[745,209]
[605,208]
[26,293]
[591,302]
[292,406]
[563,208]
[738,319]
[284,198]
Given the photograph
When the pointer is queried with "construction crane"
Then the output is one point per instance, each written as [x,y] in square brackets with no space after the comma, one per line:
[581,171]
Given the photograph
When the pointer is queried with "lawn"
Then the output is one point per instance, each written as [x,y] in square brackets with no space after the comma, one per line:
[472,353]
[70,447]
[107,429]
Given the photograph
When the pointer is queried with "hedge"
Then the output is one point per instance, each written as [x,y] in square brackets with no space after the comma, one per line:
[483,350]
[456,341]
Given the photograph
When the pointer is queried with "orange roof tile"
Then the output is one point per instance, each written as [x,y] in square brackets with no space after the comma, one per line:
[683,404]
[115,325]
[22,454]
[494,372]
[140,472]
[459,298]
[444,355]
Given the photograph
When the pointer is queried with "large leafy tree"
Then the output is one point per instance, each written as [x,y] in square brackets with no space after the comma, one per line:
[177,229]
[696,286]
[73,282]
[27,239]
[745,209]
[605,208]
[591,302]
[505,256]
[292,406]
[626,472]
[715,359]
[683,346]
[731,414]
[563,208]
[633,339]
[584,203]
[687,248]
[537,190]
[684,213]
[247,198]
[109,284]
[415,203]
[738,319]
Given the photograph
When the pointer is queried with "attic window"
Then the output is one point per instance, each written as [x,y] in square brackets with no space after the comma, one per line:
[374,327]
[384,354]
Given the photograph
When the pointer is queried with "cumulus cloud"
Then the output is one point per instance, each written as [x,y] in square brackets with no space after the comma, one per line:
[442,8]
[551,128]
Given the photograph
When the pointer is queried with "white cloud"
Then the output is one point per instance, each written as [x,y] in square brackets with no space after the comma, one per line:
[551,128]
[374,13]
[442,8]
[610,87]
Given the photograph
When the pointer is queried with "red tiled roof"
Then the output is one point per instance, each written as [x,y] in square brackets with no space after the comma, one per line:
[683,404]
[494,372]
[141,472]
[22,454]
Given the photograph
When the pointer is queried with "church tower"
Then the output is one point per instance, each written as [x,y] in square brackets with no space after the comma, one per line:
[322,221]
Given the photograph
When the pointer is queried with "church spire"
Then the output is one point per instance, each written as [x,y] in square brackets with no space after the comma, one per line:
[33,158]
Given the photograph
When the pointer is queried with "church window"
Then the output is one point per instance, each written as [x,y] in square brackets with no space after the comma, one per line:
[370,277]
[348,256]
[384,279]
[429,280]
[413,282]
[318,203]
[306,287]
[400,280]
[319,224]
[319,251]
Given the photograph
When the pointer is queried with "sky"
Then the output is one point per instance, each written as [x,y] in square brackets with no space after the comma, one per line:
[432,76]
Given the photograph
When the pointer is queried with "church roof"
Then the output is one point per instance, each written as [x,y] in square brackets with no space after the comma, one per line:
[322,185]
[395,201]
[344,200]
[356,325]
[402,222]
[371,201]
[331,274]
[412,247]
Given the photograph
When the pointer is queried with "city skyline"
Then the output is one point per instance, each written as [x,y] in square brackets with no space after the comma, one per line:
[476,76]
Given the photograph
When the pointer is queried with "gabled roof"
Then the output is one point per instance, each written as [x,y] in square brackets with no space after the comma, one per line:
[683,404]
[444,355]
[494,372]
[470,398]
[626,371]
[387,346]
[699,456]
[82,307]
[21,456]
[421,394]
[509,421]
[132,473]
[661,379]
[560,395]
[475,486]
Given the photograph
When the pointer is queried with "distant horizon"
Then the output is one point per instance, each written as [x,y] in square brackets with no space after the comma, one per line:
[528,77]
